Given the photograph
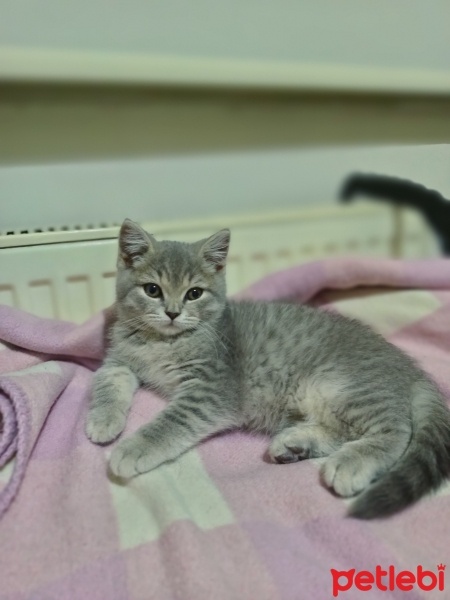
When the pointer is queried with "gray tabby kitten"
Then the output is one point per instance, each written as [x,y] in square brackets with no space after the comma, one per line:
[321,385]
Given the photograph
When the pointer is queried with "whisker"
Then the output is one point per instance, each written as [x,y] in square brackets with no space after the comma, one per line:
[207,328]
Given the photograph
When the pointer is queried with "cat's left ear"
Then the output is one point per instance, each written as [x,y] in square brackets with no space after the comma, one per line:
[134,243]
[214,249]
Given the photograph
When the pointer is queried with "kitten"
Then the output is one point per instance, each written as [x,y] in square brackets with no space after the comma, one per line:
[321,385]
[434,207]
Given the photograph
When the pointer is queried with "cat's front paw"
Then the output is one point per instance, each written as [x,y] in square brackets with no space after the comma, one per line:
[104,426]
[132,456]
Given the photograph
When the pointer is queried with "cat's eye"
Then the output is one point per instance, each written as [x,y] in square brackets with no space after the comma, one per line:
[152,290]
[194,293]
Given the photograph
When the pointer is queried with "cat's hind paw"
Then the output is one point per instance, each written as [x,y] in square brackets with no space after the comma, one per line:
[347,476]
[288,446]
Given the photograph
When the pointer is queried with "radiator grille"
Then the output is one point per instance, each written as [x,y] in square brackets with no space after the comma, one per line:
[70,273]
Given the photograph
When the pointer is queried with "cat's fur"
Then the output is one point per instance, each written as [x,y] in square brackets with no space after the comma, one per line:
[429,203]
[321,385]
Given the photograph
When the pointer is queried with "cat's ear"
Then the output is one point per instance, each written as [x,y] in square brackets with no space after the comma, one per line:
[214,250]
[134,243]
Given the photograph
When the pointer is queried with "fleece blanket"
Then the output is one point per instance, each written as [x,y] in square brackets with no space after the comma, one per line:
[221,522]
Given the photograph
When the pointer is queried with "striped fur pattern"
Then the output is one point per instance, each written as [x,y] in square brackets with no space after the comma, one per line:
[320,384]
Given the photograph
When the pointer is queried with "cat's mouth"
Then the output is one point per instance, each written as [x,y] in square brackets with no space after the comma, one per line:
[171,327]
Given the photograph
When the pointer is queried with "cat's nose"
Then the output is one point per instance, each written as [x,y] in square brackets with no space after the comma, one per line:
[172,315]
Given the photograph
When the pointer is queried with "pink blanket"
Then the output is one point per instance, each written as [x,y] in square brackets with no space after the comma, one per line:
[221,522]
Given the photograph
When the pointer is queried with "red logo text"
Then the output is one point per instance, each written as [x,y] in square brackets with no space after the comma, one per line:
[389,579]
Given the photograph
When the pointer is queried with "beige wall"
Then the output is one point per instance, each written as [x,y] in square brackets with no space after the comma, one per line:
[41,124]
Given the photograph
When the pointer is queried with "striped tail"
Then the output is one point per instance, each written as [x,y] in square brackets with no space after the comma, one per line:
[422,468]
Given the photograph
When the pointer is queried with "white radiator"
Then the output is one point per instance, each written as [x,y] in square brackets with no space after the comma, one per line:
[69,273]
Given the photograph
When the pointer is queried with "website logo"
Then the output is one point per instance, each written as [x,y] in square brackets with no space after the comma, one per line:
[389,579]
